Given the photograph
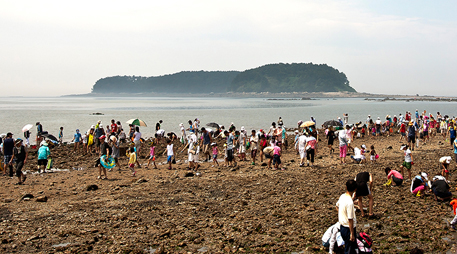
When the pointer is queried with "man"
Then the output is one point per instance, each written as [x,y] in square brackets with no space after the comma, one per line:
[411,135]
[230,139]
[39,130]
[43,155]
[105,149]
[8,145]
[346,217]
[77,138]
[206,142]
[99,131]
[20,155]
[113,127]
[364,182]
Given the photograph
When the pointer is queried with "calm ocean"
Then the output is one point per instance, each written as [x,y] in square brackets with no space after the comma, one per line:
[253,113]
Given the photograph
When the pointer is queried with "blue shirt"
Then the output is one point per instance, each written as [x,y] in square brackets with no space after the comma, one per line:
[451,132]
[43,153]
[77,137]
[230,142]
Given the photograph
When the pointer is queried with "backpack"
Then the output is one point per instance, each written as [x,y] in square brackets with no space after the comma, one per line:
[365,239]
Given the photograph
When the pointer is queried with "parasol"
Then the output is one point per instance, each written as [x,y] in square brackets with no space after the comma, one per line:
[137,122]
[27,127]
[49,136]
[307,124]
[214,125]
[332,123]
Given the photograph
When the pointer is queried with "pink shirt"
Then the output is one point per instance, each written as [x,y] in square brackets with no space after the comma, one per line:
[394,173]
[215,150]
[151,152]
[276,150]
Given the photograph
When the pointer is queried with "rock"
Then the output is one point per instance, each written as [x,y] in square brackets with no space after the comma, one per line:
[41,199]
[27,196]
[7,200]
[91,187]
[141,180]
[264,164]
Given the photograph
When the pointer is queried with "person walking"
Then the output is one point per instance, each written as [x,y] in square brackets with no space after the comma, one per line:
[347,218]
[20,156]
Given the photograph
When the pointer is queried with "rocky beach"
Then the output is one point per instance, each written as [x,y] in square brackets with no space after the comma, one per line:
[242,209]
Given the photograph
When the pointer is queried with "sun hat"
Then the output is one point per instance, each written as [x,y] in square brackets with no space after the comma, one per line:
[424,175]
[18,141]
[102,137]
[402,147]
[364,146]
[213,144]
[44,143]
[296,131]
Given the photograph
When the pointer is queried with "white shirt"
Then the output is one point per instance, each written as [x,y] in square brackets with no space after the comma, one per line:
[170,150]
[137,136]
[331,236]
[408,155]
[346,210]
[301,142]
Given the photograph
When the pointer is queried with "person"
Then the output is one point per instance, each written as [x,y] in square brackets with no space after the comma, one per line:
[122,136]
[443,127]
[137,141]
[39,131]
[332,236]
[262,144]
[215,152]
[440,189]
[170,153]
[268,151]
[84,138]
[43,155]
[359,156]
[277,156]
[242,144]
[272,129]
[206,141]
[378,126]
[158,125]
[402,131]
[349,137]
[131,132]
[364,182]
[90,140]
[408,160]
[77,139]
[27,137]
[455,152]
[152,157]
[347,218]
[297,136]
[99,131]
[373,154]
[284,137]
[192,150]
[393,176]
[114,127]
[419,184]
[343,145]
[8,147]
[132,158]
[311,149]
[346,118]
[445,161]
[172,136]
[119,127]
[20,156]
[330,138]
[452,132]
[183,134]
[61,135]
[254,143]
[302,148]
[230,140]
[104,149]
[453,203]
[116,153]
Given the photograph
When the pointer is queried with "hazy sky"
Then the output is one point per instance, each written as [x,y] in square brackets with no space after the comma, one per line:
[64,47]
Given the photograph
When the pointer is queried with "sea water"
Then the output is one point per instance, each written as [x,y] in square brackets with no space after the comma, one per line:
[253,113]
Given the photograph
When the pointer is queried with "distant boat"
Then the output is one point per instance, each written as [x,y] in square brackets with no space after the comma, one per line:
[97,114]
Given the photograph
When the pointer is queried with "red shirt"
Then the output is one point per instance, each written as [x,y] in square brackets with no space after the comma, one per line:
[113,127]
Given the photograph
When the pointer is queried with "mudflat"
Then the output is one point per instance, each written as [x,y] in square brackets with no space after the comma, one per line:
[242,209]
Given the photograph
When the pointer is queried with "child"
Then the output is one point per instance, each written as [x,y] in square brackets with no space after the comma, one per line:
[277,156]
[393,176]
[61,135]
[419,184]
[445,162]
[225,156]
[372,154]
[215,152]
[151,155]
[408,160]
[454,207]
[132,158]
[170,153]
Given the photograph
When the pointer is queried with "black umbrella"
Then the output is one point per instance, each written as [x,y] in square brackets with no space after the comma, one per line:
[214,125]
[331,123]
[49,136]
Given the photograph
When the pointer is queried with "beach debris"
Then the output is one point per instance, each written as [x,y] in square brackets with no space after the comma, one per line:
[41,199]
[91,187]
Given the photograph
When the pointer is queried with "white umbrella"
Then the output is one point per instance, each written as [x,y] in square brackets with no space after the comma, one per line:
[27,127]
[137,122]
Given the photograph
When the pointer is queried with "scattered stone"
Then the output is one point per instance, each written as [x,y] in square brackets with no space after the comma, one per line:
[189,174]
[91,187]
[27,196]
[41,199]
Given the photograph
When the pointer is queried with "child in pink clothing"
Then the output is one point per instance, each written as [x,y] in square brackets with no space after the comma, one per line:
[215,152]
[277,156]
[396,177]
[152,155]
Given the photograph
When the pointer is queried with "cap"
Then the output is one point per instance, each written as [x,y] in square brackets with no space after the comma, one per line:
[364,146]
[296,131]
[18,141]
[9,134]
[102,137]
[424,175]
[213,144]
[44,143]
[402,147]
[77,130]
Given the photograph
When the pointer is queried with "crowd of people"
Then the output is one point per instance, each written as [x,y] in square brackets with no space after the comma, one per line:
[234,145]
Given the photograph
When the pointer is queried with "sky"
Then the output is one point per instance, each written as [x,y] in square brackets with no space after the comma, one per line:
[51,48]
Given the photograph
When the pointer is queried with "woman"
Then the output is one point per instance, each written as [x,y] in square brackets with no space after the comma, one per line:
[330,138]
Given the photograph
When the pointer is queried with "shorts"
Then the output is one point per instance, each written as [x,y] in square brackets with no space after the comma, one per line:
[137,145]
[229,154]
[406,165]
[276,159]
[97,142]
[412,139]
[190,157]
[268,156]
[425,133]
[169,158]
[397,181]
[362,190]
[452,140]
[19,166]
[253,152]
[441,194]
[373,157]
[343,151]
[42,162]
[131,165]
[214,156]
[152,157]
[7,159]
[403,134]
[242,149]
[302,153]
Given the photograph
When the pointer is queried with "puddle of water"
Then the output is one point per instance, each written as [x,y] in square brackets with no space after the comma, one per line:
[203,249]
[150,250]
